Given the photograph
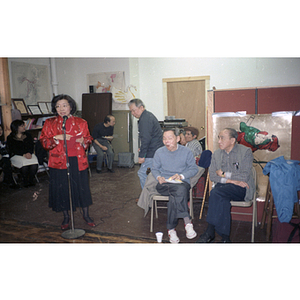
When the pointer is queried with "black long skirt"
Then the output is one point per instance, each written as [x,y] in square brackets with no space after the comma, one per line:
[59,199]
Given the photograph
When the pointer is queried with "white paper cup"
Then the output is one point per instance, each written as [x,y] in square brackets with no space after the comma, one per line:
[159,236]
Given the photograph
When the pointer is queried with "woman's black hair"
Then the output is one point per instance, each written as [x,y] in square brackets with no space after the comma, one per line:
[15,125]
[70,100]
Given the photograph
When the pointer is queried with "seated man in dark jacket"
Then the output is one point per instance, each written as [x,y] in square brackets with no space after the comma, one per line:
[103,135]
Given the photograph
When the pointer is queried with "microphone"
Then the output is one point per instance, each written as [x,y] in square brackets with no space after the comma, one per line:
[64,123]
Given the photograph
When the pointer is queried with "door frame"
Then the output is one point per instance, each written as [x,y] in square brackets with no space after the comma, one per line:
[190,78]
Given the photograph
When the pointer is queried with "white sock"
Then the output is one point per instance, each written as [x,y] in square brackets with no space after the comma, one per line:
[187,220]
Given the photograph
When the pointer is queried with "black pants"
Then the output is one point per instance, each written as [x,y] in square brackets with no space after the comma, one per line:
[178,201]
[5,163]
[219,206]
[28,173]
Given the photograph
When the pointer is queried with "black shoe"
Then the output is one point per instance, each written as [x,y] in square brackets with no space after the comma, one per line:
[225,241]
[98,171]
[205,238]
[110,170]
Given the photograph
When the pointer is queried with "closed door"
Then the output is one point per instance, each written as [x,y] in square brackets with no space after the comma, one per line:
[186,99]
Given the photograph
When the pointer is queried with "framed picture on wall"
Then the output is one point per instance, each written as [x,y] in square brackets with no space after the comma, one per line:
[49,107]
[34,109]
[44,108]
[21,106]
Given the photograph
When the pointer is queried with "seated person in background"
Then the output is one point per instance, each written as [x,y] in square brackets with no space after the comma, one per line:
[20,147]
[5,163]
[182,140]
[191,134]
[231,172]
[103,135]
[175,162]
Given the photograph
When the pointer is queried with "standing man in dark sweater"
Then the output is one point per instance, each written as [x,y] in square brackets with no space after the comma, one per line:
[103,135]
[150,135]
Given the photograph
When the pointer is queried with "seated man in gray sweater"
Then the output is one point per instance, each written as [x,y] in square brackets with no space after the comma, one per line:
[173,166]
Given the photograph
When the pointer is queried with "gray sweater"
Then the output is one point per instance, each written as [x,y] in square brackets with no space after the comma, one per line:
[167,163]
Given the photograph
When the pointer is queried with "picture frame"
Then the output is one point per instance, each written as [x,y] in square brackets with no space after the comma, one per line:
[44,108]
[49,107]
[34,109]
[20,105]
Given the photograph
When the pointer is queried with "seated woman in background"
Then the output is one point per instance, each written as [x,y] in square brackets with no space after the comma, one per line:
[20,146]
[5,163]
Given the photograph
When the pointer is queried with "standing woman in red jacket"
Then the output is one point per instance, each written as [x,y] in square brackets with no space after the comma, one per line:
[78,139]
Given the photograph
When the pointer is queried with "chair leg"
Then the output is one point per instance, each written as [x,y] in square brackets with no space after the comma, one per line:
[268,194]
[46,166]
[269,217]
[15,181]
[155,206]
[151,219]
[254,220]
[204,196]
[191,204]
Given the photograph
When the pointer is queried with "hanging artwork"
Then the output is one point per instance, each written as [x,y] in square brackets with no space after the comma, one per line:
[112,82]
[123,96]
[268,136]
[30,82]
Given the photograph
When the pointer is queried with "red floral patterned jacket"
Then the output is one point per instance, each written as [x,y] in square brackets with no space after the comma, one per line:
[57,155]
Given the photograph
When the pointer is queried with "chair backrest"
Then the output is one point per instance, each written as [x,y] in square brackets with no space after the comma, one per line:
[194,179]
[205,159]
[255,182]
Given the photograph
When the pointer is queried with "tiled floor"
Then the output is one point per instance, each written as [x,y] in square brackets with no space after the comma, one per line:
[114,211]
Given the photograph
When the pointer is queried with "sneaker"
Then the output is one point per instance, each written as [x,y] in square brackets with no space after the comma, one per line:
[205,238]
[190,232]
[173,236]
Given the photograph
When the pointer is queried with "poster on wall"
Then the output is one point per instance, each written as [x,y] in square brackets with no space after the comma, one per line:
[268,136]
[112,82]
[30,82]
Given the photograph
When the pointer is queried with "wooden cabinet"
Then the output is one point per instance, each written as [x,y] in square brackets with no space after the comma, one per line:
[95,106]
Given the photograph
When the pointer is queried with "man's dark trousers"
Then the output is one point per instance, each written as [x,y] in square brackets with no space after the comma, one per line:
[219,206]
[178,201]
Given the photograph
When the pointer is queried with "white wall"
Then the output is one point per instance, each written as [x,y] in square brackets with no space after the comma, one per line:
[72,73]
[147,73]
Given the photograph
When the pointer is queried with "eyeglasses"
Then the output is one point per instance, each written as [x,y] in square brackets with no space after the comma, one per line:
[62,106]
[222,138]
